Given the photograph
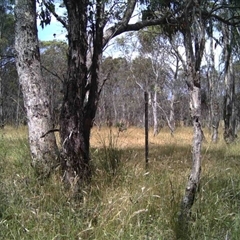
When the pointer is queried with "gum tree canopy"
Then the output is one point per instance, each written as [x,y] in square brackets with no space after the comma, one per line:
[90,24]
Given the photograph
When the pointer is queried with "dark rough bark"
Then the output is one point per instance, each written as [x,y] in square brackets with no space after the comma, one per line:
[229,102]
[81,94]
[36,99]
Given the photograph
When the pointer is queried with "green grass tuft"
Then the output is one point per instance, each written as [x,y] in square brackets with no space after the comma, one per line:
[123,200]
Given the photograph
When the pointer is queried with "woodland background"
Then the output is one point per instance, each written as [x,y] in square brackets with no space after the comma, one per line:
[123,199]
[143,61]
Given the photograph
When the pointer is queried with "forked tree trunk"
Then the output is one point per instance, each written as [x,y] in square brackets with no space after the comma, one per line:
[44,150]
[80,96]
[74,130]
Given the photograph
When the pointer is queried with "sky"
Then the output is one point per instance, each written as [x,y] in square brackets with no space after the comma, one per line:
[48,32]
[55,27]
[55,31]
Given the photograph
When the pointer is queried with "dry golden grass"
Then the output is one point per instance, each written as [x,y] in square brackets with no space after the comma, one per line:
[135,137]
[124,199]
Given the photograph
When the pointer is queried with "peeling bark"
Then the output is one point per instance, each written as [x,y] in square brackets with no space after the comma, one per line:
[193,180]
[193,37]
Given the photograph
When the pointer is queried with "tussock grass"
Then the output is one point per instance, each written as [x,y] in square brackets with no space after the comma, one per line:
[124,200]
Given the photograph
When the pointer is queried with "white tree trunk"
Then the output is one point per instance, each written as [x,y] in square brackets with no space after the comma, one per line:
[44,150]
[214,113]
[154,110]
[194,58]
[193,180]
[172,115]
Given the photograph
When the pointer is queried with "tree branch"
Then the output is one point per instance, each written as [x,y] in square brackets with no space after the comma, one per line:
[55,14]
[123,27]
[129,11]
[50,131]
[54,74]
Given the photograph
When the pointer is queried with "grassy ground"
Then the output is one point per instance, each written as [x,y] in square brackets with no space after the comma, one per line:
[124,200]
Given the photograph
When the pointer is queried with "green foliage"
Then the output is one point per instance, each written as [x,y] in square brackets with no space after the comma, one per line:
[45,12]
[7,33]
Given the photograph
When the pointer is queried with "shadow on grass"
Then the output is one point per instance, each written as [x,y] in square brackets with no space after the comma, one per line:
[124,200]
[177,160]
[171,155]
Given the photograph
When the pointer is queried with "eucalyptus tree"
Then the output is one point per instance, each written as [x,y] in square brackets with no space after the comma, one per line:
[192,26]
[90,26]
[156,48]
[111,107]
[43,145]
[151,59]
[194,43]
[212,78]
[229,114]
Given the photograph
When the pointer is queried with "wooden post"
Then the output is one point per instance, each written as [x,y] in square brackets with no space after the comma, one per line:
[146,127]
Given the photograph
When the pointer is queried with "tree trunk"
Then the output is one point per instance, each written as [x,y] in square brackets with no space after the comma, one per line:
[146,99]
[228,110]
[44,150]
[193,180]
[154,110]
[81,94]
[214,114]
[229,103]
[194,57]
[172,115]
